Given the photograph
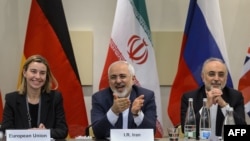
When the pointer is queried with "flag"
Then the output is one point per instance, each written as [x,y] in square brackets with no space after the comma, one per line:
[48,35]
[131,41]
[1,107]
[203,38]
[244,82]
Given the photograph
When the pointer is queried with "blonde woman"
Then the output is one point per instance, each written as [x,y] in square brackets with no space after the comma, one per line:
[36,105]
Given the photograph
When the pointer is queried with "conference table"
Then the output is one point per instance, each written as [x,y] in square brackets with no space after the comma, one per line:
[158,139]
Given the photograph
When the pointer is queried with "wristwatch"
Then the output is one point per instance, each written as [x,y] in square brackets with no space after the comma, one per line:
[137,114]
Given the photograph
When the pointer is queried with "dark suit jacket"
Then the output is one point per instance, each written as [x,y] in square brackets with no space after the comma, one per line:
[102,102]
[52,113]
[232,97]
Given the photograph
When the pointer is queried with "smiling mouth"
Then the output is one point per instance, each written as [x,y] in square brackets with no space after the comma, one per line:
[216,84]
[118,87]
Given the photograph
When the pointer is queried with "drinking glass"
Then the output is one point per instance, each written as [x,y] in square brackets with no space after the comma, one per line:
[173,133]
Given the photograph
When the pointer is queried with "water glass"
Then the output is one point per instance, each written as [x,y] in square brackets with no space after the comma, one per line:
[173,133]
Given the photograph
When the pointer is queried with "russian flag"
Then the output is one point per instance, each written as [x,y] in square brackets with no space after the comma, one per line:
[203,38]
[244,82]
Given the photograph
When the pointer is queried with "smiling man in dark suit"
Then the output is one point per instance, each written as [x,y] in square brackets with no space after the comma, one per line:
[219,98]
[122,105]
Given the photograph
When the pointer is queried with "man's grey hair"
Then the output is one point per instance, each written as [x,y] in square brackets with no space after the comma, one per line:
[213,59]
[130,67]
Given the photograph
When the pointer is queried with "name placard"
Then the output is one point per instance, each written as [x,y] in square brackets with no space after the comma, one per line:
[28,135]
[132,135]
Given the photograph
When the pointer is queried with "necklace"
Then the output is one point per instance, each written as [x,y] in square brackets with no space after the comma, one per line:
[28,112]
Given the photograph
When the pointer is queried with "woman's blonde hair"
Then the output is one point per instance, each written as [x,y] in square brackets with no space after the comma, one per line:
[50,79]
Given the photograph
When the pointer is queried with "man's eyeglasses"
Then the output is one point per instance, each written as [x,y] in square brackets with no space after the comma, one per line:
[213,74]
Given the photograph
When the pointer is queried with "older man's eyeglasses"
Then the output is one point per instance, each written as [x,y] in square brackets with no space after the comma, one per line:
[213,74]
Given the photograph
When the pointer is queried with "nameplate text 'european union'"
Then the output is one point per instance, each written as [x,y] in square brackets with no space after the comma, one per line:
[28,135]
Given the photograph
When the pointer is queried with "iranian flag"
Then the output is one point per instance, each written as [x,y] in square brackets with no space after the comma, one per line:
[131,41]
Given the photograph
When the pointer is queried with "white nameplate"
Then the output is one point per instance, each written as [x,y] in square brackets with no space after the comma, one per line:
[132,135]
[28,135]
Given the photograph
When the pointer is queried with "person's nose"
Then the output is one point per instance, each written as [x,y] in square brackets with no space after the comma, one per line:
[38,75]
[216,77]
[118,79]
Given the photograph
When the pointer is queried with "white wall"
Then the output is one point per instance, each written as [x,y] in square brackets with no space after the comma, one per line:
[97,16]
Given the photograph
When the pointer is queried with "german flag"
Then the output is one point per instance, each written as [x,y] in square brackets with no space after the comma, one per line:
[48,35]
